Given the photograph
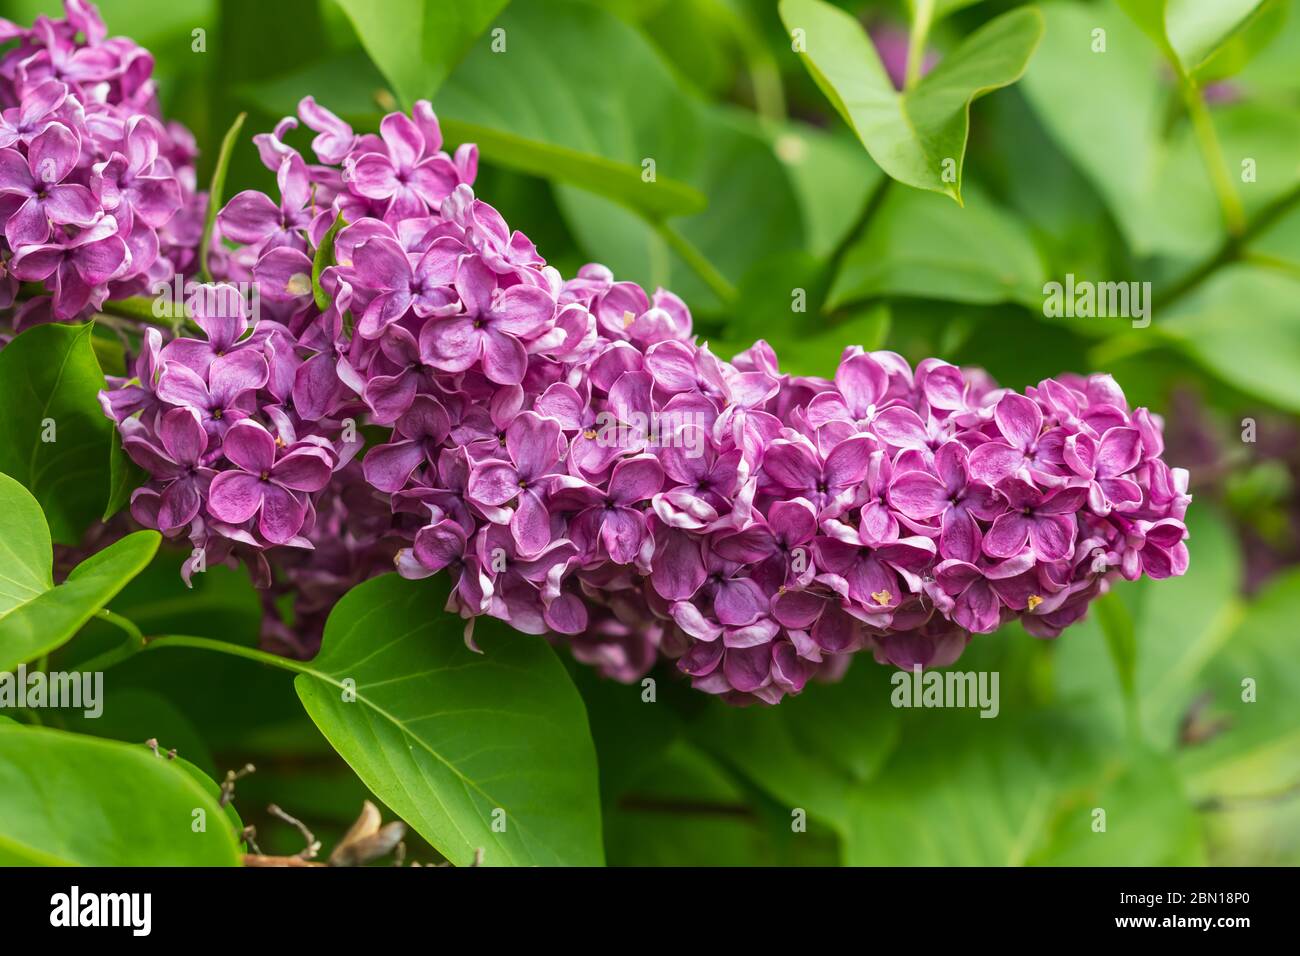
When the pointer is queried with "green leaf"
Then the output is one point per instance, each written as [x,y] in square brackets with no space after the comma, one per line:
[1121,639]
[54,438]
[124,476]
[1149,820]
[592,123]
[1191,32]
[132,715]
[687,811]
[417,42]
[70,800]
[816,751]
[920,245]
[217,190]
[832,177]
[454,741]
[322,260]
[1251,687]
[754,212]
[1174,627]
[1262,361]
[1254,35]
[35,615]
[1108,111]
[917,137]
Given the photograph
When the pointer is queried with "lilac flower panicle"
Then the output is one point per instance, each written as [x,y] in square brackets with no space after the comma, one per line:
[566,451]
[97,193]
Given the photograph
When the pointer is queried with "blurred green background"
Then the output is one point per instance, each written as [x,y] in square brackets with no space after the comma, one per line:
[1138,710]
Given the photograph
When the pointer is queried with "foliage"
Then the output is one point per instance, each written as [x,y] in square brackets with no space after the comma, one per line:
[1146,141]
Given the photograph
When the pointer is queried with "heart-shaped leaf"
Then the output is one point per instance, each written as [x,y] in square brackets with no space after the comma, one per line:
[71,800]
[53,436]
[591,124]
[919,136]
[417,42]
[483,751]
[35,615]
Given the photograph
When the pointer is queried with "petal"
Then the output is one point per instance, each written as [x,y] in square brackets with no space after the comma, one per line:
[739,602]
[235,496]
[918,495]
[504,358]
[403,138]
[847,463]
[747,668]
[1019,419]
[622,532]
[522,310]
[672,364]
[249,217]
[493,483]
[53,153]
[1052,536]
[636,479]
[862,381]
[180,503]
[229,376]
[71,205]
[960,537]
[1008,536]
[183,436]
[678,569]
[901,428]
[283,513]
[250,446]
[304,469]
[534,444]
[389,396]
[993,461]
[388,467]
[373,177]
[531,524]
[1118,452]
[283,274]
[452,345]
[181,385]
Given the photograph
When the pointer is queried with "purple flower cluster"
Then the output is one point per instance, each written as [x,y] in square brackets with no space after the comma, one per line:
[580,465]
[97,194]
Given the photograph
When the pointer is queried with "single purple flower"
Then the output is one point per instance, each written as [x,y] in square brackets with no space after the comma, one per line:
[495,321]
[265,485]
[35,185]
[1045,520]
[179,464]
[534,446]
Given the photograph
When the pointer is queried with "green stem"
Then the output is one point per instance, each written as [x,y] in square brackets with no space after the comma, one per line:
[130,646]
[1276,263]
[137,307]
[760,64]
[1234,214]
[1232,249]
[922,19]
[216,192]
[225,647]
[699,264]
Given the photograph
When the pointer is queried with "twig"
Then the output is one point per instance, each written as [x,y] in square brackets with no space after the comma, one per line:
[228,785]
[152,744]
[309,851]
